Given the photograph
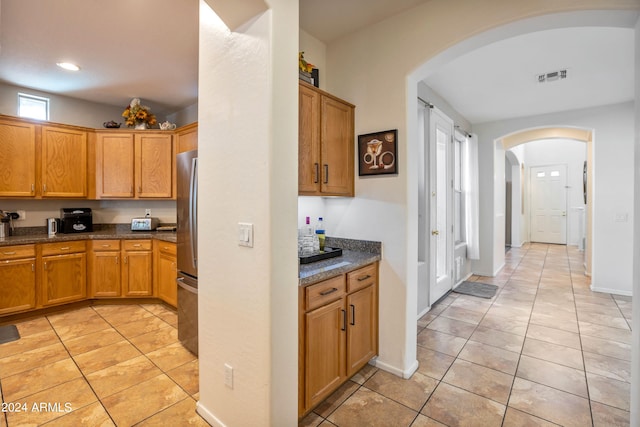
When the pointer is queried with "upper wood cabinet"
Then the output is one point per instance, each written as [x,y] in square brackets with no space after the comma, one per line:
[17,158]
[325,144]
[187,138]
[64,162]
[136,165]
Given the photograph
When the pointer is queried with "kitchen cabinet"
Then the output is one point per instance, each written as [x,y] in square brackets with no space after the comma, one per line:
[104,269]
[325,144]
[138,165]
[17,278]
[64,272]
[64,162]
[166,271]
[137,266]
[17,158]
[187,138]
[338,321]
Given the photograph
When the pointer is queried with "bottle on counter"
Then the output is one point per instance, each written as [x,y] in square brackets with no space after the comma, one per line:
[306,238]
[320,233]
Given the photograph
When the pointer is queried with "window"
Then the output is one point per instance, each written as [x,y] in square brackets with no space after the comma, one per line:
[458,195]
[33,107]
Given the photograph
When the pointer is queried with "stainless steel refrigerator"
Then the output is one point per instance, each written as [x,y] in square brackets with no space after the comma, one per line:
[187,237]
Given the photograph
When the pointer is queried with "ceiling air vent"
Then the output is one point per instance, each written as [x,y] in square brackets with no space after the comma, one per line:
[552,76]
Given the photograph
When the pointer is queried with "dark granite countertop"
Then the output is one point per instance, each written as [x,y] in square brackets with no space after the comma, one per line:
[39,235]
[355,254]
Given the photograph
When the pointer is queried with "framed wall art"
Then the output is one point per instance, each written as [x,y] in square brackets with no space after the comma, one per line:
[378,153]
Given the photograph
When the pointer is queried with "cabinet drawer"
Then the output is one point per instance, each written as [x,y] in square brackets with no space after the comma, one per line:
[105,245]
[63,247]
[362,277]
[19,251]
[167,248]
[137,245]
[324,292]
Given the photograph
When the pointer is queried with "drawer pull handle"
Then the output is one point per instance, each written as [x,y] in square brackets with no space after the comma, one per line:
[363,278]
[66,248]
[106,246]
[136,245]
[329,291]
[344,320]
[9,253]
[353,314]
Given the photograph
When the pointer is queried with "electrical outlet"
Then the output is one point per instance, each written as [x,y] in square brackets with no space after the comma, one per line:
[228,375]
[23,215]
[147,212]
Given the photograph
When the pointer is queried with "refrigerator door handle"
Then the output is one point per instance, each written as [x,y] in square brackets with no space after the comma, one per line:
[193,211]
[180,282]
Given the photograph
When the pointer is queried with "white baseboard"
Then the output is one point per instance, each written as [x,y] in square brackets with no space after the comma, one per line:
[611,291]
[208,416]
[406,374]
[423,312]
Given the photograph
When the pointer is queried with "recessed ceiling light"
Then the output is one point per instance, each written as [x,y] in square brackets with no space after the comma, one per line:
[68,66]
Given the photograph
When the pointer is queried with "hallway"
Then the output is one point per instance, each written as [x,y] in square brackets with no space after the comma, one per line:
[544,351]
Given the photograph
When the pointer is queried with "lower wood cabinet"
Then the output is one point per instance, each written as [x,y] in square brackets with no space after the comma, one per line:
[121,268]
[338,321]
[17,278]
[63,272]
[166,271]
[137,263]
[104,269]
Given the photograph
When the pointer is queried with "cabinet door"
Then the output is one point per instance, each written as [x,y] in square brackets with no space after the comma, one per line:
[167,274]
[17,285]
[64,162]
[136,274]
[362,337]
[308,141]
[325,336]
[114,165]
[336,148]
[154,166]
[17,159]
[64,278]
[105,274]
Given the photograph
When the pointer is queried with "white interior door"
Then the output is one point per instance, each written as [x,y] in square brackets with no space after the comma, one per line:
[549,204]
[441,236]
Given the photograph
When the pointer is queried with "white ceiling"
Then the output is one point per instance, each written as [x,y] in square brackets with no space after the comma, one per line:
[499,81]
[126,49]
[149,49]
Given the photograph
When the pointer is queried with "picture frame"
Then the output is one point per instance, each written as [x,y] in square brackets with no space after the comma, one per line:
[378,153]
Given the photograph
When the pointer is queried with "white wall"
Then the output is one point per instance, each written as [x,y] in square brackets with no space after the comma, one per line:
[73,111]
[315,52]
[635,345]
[248,297]
[613,195]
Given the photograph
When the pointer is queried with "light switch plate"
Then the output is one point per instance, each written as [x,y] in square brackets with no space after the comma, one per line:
[245,234]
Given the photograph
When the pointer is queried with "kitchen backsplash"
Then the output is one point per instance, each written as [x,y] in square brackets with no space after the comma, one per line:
[104,211]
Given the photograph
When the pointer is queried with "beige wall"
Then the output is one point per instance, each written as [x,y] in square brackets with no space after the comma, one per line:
[248,91]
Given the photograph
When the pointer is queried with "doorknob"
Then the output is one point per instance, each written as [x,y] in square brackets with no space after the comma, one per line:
[435,233]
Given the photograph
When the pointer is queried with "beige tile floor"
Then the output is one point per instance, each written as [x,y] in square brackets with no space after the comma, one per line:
[544,351]
[103,365]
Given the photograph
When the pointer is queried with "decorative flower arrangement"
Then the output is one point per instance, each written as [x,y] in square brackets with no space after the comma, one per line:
[136,114]
[304,65]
